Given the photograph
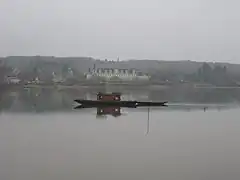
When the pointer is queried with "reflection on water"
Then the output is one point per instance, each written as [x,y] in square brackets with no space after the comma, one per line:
[114,111]
[173,143]
[180,145]
[50,100]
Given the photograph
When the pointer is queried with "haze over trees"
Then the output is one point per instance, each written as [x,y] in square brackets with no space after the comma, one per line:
[46,68]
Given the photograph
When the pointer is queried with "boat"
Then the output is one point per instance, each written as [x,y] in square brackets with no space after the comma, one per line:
[114,96]
[114,100]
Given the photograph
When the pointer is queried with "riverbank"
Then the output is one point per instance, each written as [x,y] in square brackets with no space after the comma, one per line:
[101,86]
[114,86]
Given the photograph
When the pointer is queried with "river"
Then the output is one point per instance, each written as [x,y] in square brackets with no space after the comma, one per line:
[42,136]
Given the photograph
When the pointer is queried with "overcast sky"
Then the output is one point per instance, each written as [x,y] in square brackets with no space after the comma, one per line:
[141,29]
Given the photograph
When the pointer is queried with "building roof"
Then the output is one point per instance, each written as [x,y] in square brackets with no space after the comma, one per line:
[110,65]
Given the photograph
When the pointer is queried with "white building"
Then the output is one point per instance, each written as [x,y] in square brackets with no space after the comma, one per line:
[12,80]
[122,74]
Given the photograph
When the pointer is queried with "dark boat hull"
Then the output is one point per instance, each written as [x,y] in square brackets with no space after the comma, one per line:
[129,104]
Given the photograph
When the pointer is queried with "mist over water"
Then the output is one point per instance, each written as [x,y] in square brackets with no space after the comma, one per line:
[42,136]
[52,100]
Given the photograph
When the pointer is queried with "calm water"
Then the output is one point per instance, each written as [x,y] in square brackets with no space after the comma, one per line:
[42,137]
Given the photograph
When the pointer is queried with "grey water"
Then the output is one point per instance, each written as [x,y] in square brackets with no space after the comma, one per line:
[196,138]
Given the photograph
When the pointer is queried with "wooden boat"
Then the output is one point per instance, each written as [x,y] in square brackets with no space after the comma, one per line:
[130,104]
[114,100]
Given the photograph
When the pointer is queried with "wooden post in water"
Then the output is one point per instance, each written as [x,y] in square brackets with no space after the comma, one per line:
[148,121]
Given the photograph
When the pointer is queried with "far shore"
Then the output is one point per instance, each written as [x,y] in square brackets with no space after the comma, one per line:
[106,86]
[62,87]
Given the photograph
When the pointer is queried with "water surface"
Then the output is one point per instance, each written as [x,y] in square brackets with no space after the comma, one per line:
[181,142]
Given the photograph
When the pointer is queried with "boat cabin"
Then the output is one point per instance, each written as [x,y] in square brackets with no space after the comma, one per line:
[109,96]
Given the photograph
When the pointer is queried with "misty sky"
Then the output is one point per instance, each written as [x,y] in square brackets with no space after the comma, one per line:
[141,29]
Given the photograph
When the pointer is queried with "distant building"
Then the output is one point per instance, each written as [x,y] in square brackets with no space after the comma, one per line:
[35,81]
[12,80]
[114,73]
[57,78]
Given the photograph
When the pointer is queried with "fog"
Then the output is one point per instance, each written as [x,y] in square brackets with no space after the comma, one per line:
[153,29]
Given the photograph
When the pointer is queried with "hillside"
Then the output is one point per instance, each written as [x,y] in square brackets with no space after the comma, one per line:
[82,64]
